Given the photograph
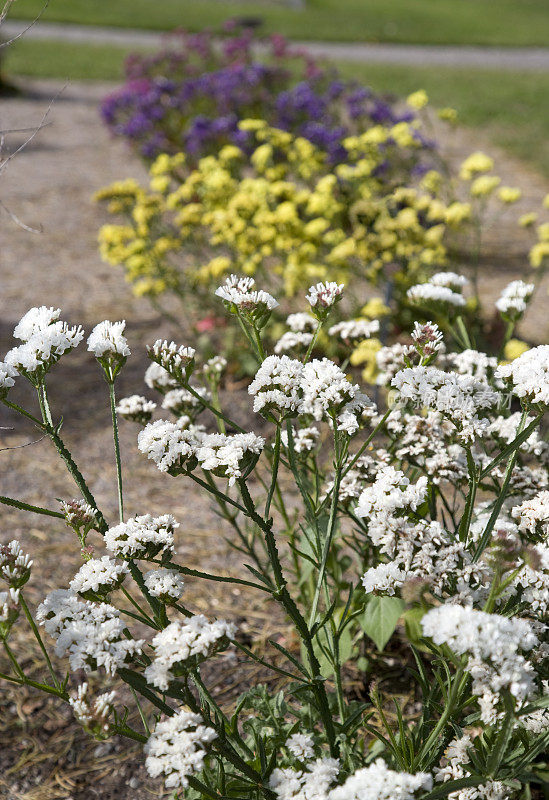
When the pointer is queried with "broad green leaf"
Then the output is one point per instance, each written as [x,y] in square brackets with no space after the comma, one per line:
[380,618]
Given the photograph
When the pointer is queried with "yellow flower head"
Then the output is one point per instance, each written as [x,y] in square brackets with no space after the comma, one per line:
[448,114]
[527,220]
[418,99]
[375,308]
[514,348]
[484,185]
[365,354]
[538,253]
[457,212]
[508,194]
[543,232]
[474,164]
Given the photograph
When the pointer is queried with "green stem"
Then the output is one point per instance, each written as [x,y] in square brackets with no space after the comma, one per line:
[117,451]
[276,462]
[38,638]
[313,342]
[9,501]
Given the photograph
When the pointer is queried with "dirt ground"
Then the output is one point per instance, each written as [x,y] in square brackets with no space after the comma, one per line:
[48,186]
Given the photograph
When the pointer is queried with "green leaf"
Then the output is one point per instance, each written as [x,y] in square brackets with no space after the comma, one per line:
[380,618]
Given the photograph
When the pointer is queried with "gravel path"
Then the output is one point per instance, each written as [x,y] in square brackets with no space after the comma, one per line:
[511,58]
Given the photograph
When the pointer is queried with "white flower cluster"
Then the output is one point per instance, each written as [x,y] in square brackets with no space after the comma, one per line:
[533,515]
[213,367]
[141,537]
[328,395]
[177,748]
[363,472]
[292,340]
[492,643]
[463,399]
[167,584]
[324,295]
[389,496]
[301,745]
[91,634]
[310,784]
[449,279]
[455,758]
[475,363]
[7,375]
[98,576]
[169,444]
[427,339]
[239,292]
[182,402]
[378,782]
[514,299]
[228,456]
[301,322]
[107,340]
[156,377]
[392,359]
[93,715]
[136,408]
[79,514]
[429,294]
[180,641]
[9,610]
[305,439]
[15,565]
[45,339]
[529,375]
[276,386]
[176,360]
[505,429]
[353,331]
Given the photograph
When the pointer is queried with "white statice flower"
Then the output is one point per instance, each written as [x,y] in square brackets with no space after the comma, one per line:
[378,782]
[35,320]
[15,565]
[7,375]
[431,294]
[181,641]
[177,360]
[276,387]
[93,714]
[533,515]
[301,322]
[156,377]
[239,292]
[493,644]
[384,579]
[463,399]
[514,299]
[182,402]
[322,296]
[213,368]
[142,537]
[167,584]
[363,472]
[305,439]
[229,456]
[35,357]
[427,338]
[171,445]
[98,576]
[528,375]
[91,634]
[329,396]
[107,340]
[475,363]
[313,783]
[455,758]
[390,493]
[79,514]
[532,582]
[291,341]
[301,745]
[177,748]
[506,430]
[449,279]
[136,408]
[9,610]
[392,359]
[352,331]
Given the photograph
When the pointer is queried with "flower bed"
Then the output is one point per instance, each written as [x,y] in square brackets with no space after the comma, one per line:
[422,519]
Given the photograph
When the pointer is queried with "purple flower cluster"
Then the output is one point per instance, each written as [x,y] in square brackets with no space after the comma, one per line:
[191,97]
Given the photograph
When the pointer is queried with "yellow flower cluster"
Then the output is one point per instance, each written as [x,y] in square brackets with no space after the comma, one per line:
[283,211]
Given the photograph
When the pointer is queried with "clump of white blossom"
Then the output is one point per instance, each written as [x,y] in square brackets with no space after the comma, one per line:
[167,584]
[177,748]
[93,714]
[514,300]
[528,375]
[136,408]
[142,537]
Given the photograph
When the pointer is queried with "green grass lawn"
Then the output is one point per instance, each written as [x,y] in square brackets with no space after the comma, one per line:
[514,112]
[489,22]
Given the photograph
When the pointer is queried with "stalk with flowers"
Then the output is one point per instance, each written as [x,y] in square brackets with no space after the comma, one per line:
[419,523]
